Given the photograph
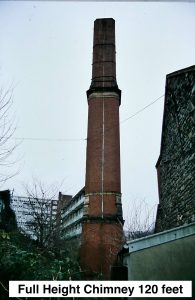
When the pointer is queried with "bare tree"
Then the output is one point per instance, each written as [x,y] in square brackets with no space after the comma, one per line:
[140,220]
[7,129]
[41,208]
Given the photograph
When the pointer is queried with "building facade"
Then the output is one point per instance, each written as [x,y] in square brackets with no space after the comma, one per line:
[72,216]
[176,163]
[29,210]
[65,214]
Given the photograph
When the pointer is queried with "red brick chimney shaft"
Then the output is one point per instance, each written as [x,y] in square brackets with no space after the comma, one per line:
[102,226]
[103,145]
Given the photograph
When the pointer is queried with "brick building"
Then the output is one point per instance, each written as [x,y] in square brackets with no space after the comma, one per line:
[176,163]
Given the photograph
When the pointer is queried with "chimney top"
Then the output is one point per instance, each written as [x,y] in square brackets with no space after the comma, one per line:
[104,57]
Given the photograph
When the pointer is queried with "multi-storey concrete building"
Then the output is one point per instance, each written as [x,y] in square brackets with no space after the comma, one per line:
[28,210]
[72,216]
[65,214]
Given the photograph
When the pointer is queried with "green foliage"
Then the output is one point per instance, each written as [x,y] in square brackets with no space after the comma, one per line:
[20,259]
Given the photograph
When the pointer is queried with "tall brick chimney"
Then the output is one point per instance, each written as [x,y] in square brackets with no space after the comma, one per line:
[103,223]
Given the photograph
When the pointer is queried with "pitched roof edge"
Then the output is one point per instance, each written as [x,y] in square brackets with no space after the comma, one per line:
[173,74]
[181,71]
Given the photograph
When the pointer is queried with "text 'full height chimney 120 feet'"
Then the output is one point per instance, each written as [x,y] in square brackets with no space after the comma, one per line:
[102,233]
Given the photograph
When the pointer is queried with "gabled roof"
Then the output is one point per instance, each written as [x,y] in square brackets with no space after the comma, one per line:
[168,76]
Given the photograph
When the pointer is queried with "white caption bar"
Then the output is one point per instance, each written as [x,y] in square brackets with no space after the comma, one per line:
[100,289]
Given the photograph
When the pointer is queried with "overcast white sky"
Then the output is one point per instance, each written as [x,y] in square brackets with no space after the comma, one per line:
[46,51]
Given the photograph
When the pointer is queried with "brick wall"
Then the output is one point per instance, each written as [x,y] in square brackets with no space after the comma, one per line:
[102,243]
